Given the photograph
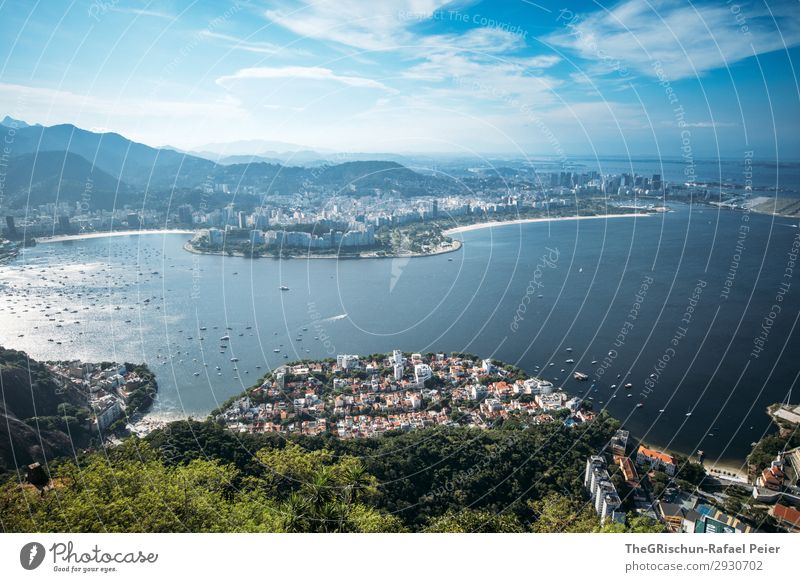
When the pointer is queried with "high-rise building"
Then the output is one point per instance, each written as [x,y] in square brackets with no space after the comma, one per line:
[11,227]
[185,214]
[63,223]
[422,372]
[656,182]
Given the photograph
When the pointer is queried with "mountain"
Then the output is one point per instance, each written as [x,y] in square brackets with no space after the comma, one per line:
[58,162]
[13,123]
[28,391]
[132,163]
[57,176]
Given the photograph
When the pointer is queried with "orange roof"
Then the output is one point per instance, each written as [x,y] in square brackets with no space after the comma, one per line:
[663,457]
[787,514]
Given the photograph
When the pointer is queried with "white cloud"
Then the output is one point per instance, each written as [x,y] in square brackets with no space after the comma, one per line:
[688,39]
[372,26]
[302,73]
[265,48]
[61,106]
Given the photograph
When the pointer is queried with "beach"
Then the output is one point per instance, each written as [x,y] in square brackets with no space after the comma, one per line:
[480,225]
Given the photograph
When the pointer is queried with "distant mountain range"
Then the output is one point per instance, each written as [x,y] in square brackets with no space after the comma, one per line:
[66,163]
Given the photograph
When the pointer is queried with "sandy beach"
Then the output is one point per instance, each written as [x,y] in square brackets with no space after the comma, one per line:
[66,237]
[480,225]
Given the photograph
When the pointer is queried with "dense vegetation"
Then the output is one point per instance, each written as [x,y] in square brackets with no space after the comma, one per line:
[39,419]
[141,397]
[42,420]
[196,476]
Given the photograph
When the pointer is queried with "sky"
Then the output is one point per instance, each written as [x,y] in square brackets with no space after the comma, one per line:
[515,77]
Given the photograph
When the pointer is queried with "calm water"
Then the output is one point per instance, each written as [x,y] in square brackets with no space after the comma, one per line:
[570,284]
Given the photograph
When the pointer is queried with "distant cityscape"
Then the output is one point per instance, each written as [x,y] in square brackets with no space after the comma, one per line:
[311,217]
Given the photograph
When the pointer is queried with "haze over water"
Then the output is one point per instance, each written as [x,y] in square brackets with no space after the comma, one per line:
[576,280]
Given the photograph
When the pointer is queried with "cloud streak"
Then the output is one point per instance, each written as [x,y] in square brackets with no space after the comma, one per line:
[688,39]
[302,73]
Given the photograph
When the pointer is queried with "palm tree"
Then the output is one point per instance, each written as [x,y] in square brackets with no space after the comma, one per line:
[296,514]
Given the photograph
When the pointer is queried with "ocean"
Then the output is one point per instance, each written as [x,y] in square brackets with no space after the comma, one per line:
[696,308]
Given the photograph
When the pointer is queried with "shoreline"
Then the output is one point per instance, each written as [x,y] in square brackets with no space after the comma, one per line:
[712,468]
[457,244]
[499,223]
[91,235]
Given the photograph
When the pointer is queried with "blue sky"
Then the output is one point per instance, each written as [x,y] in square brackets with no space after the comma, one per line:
[517,77]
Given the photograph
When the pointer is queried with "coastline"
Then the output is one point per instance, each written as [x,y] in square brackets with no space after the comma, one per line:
[712,468]
[499,223]
[90,235]
[456,245]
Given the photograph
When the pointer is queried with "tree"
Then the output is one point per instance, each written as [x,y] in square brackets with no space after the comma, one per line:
[557,513]
[475,521]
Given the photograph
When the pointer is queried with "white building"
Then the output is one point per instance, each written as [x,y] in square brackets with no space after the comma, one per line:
[422,372]
[347,361]
[605,499]
[538,386]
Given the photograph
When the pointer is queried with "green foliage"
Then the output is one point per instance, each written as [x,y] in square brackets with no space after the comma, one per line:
[476,521]
[421,475]
[133,489]
[556,514]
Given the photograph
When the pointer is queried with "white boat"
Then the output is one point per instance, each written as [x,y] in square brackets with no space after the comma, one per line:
[224,338]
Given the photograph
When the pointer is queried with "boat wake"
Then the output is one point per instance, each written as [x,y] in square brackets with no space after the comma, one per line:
[334,318]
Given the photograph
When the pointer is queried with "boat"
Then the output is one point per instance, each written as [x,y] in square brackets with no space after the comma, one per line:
[628,386]
[569,361]
[639,405]
[284,288]
[580,376]
[276,350]
[225,338]
[234,359]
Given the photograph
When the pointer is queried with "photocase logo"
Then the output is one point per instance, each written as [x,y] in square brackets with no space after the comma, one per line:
[31,555]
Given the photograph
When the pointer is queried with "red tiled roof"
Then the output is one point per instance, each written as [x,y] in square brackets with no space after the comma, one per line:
[663,457]
[789,514]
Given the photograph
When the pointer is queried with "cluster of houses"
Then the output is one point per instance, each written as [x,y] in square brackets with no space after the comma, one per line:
[779,486]
[678,510]
[357,397]
[105,387]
